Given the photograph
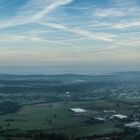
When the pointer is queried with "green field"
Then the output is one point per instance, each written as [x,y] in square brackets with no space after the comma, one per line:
[56,117]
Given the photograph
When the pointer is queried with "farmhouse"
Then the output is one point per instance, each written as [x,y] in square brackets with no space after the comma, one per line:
[133,125]
[78,110]
[118,116]
[99,119]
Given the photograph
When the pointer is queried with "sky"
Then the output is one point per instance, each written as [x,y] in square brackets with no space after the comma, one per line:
[69,36]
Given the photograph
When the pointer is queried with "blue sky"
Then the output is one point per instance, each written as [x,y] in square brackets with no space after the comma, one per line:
[70,36]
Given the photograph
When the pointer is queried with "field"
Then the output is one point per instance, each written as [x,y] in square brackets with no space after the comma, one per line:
[56,117]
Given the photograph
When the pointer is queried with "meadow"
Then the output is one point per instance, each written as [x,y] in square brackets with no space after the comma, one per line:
[57,117]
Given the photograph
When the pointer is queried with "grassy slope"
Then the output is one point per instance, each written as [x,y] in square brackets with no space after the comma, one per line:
[36,116]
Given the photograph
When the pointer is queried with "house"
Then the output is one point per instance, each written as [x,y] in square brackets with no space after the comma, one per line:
[99,119]
[93,120]
[133,125]
[119,116]
[78,111]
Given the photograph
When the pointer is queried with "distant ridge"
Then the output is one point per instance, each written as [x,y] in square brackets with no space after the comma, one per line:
[68,75]
[118,76]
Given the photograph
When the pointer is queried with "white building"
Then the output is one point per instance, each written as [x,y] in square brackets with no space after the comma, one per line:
[78,110]
[119,116]
[99,119]
[133,125]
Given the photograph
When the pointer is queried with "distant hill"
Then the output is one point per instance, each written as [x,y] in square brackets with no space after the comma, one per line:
[121,76]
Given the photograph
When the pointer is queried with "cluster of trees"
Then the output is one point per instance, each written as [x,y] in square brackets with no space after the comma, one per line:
[9,107]
[52,136]
[127,134]
[37,136]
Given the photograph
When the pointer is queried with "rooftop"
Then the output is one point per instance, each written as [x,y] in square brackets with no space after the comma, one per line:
[78,110]
[133,125]
[119,116]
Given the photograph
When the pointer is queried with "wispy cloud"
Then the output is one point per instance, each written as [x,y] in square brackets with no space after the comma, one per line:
[46,8]
[52,6]
[80,32]
[94,30]
[109,12]
[127,24]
